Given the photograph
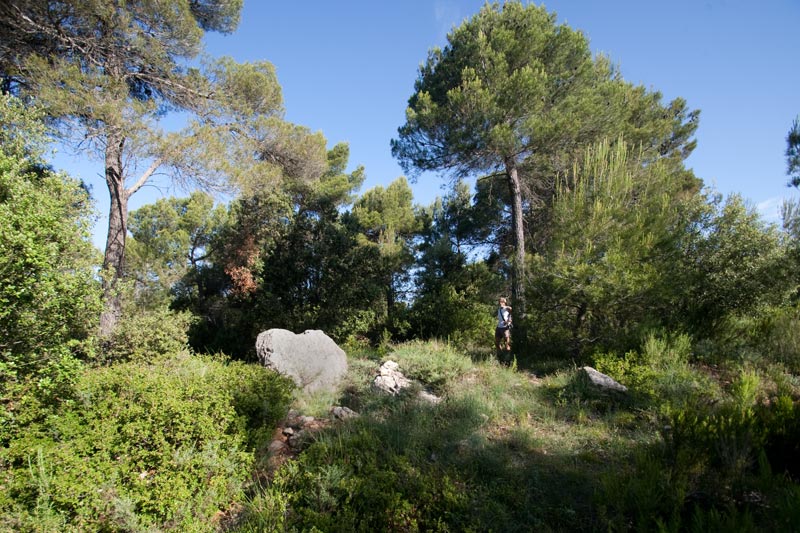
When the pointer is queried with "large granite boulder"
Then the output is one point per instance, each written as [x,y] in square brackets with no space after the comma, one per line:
[310,358]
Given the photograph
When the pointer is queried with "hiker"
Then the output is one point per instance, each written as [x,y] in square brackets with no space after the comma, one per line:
[502,333]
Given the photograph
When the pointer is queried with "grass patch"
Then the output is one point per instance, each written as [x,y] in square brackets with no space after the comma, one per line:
[509,451]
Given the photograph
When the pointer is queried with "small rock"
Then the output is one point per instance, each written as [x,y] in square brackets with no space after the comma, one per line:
[426,396]
[295,440]
[390,379]
[343,413]
[276,447]
[288,431]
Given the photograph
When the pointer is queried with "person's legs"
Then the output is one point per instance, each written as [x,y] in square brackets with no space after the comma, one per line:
[502,339]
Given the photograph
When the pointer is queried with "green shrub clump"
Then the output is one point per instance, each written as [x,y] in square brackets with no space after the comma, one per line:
[721,464]
[148,334]
[660,372]
[166,444]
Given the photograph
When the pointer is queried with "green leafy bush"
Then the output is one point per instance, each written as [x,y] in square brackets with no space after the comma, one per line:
[660,372]
[770,336]
[720,465]
[165,444]
[49,294]
[147,334]
[458,308]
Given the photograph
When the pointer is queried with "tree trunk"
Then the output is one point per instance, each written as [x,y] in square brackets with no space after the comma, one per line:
[114,259]
[518,263]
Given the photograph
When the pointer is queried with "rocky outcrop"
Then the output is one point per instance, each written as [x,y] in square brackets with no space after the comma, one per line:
[390,379]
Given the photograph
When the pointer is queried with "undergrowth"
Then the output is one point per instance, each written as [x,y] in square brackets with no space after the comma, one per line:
[508,451]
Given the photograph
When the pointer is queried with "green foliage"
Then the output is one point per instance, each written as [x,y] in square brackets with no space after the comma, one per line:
[733,264]
[660,372]
[509,82]
[386,223]
[767,338]
[516,96]
[455,315]
[168,238]
[109,73]
[605,277]
[295,259]
[457,466]
[793,153]
[718,466]
[777,336]
[164,444]
[631,250]
[147,334]
[453,295]
[266,510]
[49,296]
[434,363]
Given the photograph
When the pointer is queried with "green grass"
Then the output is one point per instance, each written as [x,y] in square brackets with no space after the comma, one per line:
[690,448]
[509,451]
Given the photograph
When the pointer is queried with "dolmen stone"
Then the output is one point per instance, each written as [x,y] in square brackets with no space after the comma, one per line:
[311,359]
[601,381]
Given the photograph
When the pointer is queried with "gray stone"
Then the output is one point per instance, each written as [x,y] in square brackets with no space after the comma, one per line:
[311,359]
[429,397]
[390,379]
[343,413]
[601,381]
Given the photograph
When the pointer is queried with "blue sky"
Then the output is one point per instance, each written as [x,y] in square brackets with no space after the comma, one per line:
[348,67]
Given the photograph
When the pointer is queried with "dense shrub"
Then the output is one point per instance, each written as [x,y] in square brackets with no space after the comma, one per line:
[721,465]
[660,372]
[771,336]
[146,334]
[49,295]
[165,444]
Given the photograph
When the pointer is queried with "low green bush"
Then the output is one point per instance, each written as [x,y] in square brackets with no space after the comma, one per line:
[660,373]
[722,465]
[142,446]
[780,338]
[147,334]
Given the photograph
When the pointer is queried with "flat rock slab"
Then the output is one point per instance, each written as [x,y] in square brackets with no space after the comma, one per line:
[311,359]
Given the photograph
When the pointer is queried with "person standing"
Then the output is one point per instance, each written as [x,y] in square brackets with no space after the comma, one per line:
[502,333]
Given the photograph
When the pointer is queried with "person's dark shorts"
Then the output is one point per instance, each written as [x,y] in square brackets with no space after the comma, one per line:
[500,333]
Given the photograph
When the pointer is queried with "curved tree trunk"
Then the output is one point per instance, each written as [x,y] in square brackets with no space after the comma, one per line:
[113,261]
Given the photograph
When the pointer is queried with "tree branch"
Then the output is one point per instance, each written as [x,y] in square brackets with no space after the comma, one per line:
[144,177]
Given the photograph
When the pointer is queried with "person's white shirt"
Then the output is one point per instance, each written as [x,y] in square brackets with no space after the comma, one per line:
[502,317]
